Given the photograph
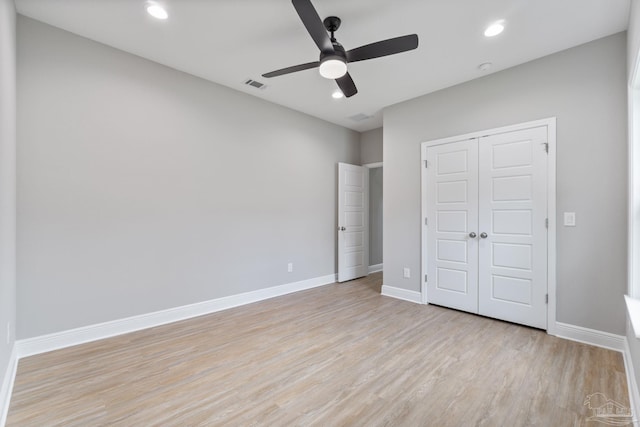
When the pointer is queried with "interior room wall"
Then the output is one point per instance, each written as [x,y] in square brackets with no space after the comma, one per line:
[144,188]
[585,89]
[371,146]
[7,190]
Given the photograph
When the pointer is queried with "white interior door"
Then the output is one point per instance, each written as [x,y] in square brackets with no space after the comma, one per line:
[353,221]
[512,226]
[452,214]
[485,202]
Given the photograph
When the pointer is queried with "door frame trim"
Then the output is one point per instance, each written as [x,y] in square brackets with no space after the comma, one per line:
[373,165]
[551,205]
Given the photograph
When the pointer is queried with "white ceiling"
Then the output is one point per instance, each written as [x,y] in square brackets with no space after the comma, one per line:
[228,41]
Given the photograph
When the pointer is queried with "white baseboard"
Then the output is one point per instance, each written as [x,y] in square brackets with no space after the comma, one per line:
[403,294]
[7,385]
[590,336]
[85,334]
[632,384]
[375,268]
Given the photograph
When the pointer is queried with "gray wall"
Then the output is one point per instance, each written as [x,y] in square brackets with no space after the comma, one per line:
[371,146]
[143,188]
[375,216]
[585,88]
[7,182]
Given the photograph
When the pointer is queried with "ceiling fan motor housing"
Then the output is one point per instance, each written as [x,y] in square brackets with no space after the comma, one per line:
[338,53]
[333,65]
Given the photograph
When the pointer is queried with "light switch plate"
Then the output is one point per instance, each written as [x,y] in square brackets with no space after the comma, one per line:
[569,219]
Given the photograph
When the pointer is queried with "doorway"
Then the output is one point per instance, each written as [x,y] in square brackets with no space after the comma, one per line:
[375,216]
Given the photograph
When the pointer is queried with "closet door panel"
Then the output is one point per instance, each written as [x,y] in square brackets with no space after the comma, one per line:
[452,213]
[512,264]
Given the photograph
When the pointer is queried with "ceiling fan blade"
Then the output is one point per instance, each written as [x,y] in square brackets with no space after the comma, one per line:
[347,86]
[314,25]
[383,48]
[293,69]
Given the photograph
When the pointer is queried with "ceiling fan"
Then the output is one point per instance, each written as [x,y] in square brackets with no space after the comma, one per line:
[333,57]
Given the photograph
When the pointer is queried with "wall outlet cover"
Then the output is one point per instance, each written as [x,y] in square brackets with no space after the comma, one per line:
[569,219]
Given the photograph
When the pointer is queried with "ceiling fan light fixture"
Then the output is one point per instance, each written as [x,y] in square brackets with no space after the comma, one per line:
[337,94]
[333,67]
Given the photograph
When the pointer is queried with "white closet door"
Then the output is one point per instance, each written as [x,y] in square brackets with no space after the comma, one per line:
[452,212]
[512,212]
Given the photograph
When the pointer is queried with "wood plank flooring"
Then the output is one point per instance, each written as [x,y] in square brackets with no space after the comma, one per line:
[332,356]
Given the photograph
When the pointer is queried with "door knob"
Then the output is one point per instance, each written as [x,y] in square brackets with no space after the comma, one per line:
[341,228]
[472,235]
[483,235]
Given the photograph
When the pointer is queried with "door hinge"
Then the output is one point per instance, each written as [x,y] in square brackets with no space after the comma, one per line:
[546,298]
[546,222]
[426,221]
[546,147]
[425,164]
[425,278]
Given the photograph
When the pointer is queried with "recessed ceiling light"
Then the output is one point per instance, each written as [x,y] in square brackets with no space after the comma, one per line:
[337,94]
[157,11]
[494,29]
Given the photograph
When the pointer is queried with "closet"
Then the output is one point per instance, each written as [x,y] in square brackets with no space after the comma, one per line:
[486,224]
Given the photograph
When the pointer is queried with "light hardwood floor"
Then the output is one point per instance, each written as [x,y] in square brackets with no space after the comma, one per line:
[337,355]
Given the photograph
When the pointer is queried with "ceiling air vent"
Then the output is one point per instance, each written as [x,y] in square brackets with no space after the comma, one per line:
[255,84]
[360,117]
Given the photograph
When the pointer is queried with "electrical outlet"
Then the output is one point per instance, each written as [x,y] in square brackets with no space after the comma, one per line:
[290,267]
[569,219]
[407,273]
